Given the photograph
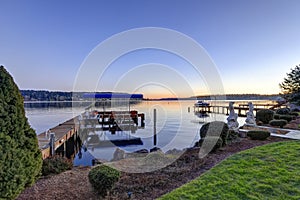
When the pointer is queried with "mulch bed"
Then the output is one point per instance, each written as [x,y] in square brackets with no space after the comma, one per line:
[74,184]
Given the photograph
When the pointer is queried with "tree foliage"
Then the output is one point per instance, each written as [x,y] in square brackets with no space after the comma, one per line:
[20,158]
[290,86]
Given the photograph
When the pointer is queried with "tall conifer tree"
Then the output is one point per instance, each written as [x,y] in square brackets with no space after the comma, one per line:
[20,158]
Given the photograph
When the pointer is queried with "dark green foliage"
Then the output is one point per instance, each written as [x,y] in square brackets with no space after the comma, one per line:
[216,131]
[56,165]
[296,114]
[20,158]
[276,116]
[258,135]
[290,86]
[232,135]
[40,95]
[264,115]
[283,111]
[103,178]
[278,122]
[288,118]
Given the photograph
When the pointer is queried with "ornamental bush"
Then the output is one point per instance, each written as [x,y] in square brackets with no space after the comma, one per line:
[296,114]
[283,111]
[276,116]
[20,157]
[258,135]
[103,178]
[278,122]
[264,115]
[55,165]
[288,118]
[215,131]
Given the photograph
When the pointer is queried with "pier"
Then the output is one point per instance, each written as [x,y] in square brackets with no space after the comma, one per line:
[241,109]
[69,135]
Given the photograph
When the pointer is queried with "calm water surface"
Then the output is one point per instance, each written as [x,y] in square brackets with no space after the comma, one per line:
[177,125]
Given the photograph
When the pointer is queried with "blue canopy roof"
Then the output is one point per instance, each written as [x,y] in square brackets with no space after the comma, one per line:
[112,96]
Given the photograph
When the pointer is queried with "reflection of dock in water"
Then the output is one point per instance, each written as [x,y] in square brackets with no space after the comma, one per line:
[69,135]
[112,121]
[95,140]
[107,129]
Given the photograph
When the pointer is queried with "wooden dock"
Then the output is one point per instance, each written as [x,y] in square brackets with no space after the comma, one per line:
[241,109]
[67,134]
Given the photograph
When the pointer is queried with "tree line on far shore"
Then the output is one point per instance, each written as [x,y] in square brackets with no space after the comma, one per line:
[44,95]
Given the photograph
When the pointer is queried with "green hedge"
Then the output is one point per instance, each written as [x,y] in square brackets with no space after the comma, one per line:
[103,178]
[283,111]
[265,115]
[278,122]
[276,116]
[296,114]
[258,135]
[56,165]
[288,118]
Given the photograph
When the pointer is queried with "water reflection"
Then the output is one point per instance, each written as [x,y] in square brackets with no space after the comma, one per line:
[176,127]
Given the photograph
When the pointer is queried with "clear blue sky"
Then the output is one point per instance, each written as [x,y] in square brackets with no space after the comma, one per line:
[253,43]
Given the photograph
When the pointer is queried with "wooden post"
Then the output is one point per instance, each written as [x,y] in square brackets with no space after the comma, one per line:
[142,120]
[52,144]
[154,128]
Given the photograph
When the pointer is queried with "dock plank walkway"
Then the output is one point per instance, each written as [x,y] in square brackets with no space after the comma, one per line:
[63,132]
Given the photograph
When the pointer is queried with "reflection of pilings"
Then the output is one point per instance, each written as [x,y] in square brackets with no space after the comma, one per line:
[70,147]
[154,128]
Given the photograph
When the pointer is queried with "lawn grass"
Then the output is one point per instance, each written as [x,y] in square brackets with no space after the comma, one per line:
[267,172]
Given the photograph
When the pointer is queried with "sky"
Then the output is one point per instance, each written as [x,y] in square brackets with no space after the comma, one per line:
[45,45]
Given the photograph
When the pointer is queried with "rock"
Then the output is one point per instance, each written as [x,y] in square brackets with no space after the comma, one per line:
[155,149]
[174,151]
[119,154]
[141,151]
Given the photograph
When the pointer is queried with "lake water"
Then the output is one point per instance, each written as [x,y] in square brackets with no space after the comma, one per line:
[177,125]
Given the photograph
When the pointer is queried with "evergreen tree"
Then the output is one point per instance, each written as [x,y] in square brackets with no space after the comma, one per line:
[291,86]
[20,157]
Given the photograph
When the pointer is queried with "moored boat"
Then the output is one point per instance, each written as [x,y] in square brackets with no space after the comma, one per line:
[201,104]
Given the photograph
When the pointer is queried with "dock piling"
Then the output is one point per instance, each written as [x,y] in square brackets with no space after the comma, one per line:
[52,144]
[154,128]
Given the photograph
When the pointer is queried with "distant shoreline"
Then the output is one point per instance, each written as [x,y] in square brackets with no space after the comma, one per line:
[58,96]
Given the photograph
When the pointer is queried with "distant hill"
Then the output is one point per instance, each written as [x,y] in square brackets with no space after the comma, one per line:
[272,97]
[44,95]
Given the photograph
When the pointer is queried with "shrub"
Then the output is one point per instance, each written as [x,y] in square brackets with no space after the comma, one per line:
[20,157]
[276,116]
[103,178]
[288,118]
[258,135]
[56,165]
[232,135]
[264,115]
[278,122]
[283,111]
[296,114]
[212,130]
